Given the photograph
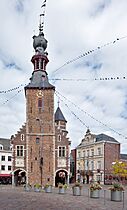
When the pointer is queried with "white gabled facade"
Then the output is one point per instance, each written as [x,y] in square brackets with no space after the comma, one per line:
[5,161]
[95,155]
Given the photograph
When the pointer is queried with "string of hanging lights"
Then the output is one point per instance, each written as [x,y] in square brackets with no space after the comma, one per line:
[59,95]
[12,97]
[65,79]
[94,79]
[89,52]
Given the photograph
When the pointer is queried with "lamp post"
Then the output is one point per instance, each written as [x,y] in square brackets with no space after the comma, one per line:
[104,163]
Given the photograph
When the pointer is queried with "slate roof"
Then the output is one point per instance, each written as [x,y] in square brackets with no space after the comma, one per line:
[39,79]
[59,115]
[104,137]
[123,156]
[5,143]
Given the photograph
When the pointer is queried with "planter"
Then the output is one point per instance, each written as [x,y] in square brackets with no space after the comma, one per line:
[62,190]
[116,195]
[48,189]
[37,189]
[95,194]
[77,190]
[27,189]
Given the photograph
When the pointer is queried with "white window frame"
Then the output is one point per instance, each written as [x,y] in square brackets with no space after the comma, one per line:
[92,165]
[99,164]
[22,137]
[79,154]
[92,152]
[20,150]
[59,138]
[99,150]
[1,147]
[58,151]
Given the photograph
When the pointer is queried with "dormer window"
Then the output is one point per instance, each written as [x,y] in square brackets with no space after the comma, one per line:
[1,147]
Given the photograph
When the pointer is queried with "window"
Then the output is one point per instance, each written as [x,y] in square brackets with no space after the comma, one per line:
[31,109]
[2,158]
[20,151]
[40,105]
[99,151]
[79,154]
[1,148]
[39,102]
[37,64]
[92,152]
[99,165]
[92,165]
[59,137]
[3,168]
[22,137]
[9,168]
[99,178]
[9,158]
[87,153]
[61,151]
[84,154]
[37,140]
[31,167]
[86,165]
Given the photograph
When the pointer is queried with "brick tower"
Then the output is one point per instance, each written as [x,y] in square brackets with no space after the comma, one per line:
[40,127]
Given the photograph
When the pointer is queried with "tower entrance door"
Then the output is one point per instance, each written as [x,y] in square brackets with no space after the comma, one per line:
[61,177]
[19,177]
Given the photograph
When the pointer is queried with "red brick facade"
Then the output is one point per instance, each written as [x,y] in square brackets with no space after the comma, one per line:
[19,156]
[62,161]
[40,136]
[111,154]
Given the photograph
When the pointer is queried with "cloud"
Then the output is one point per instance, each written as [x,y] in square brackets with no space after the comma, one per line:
[71,28]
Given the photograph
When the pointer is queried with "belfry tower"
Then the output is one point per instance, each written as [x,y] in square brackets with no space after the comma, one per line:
[40,127]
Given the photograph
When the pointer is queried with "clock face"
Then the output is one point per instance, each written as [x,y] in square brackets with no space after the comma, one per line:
[39,93]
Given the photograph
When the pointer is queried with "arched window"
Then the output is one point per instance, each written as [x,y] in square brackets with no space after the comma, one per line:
[22,137]
[59,137]
[40,104]
[37,140]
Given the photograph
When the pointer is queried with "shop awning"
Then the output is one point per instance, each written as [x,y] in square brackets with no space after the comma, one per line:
[5,175]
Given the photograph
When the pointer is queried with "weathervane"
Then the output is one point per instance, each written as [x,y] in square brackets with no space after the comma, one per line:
[42,15]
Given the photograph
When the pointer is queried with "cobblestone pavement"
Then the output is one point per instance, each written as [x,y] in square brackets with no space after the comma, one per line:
[15,198]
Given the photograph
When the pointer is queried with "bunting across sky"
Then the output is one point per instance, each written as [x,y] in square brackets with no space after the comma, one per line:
[89,52]
[42,15]
[5,102]
[12,89]
[59,98]
[65,79]
[94,79]
[59,95]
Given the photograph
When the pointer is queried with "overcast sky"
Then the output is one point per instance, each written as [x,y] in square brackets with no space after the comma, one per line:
[72,27]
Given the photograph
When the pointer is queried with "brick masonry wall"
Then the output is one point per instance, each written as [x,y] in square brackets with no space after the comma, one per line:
[17,141]
[40,124]
[112,153]
[63,142]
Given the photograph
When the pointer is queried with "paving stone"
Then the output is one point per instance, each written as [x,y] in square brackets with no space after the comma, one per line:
[15,198]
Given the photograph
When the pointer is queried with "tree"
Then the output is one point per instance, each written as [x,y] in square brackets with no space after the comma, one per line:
[120,169]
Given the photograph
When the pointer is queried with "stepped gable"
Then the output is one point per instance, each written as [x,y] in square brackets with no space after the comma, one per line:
[22,130]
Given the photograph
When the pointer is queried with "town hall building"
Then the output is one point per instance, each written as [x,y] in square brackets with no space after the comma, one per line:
[41,148]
